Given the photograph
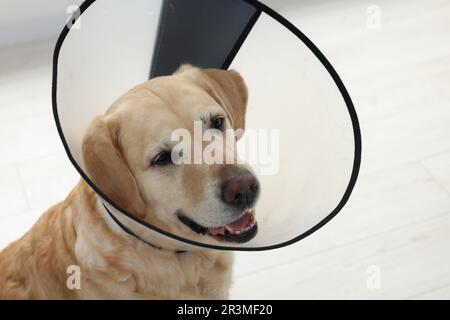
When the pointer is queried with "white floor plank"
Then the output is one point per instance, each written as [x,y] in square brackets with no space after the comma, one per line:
[437,294]
[15,226]
[55,172]
[383,201]
[439,167]
[413,257]
[29,138]
[12,195]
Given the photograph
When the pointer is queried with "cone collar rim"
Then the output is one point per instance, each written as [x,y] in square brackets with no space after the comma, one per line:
[317,53]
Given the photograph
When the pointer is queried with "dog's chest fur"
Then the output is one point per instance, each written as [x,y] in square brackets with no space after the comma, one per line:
[111,265]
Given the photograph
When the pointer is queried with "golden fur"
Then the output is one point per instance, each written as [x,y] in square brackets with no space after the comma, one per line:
[113,264]
[117,267]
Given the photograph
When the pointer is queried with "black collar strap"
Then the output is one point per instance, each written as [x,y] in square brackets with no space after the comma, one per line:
[130,232]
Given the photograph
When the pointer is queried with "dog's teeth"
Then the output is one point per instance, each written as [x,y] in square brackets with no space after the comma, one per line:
[251,224]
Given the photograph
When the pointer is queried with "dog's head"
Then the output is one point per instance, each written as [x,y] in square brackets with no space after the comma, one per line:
[129,155]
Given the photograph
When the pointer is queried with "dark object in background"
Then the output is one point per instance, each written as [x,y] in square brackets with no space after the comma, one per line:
[204,33]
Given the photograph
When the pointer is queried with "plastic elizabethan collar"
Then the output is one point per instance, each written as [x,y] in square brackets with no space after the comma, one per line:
[307,173]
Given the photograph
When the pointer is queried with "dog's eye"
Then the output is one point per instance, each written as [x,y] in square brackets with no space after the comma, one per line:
[218,122]
[163,158]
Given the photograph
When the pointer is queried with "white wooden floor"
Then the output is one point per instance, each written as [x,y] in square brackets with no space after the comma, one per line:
[393,238]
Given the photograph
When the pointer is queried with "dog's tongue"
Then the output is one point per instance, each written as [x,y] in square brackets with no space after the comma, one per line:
[237,225]
[240,223]
[216,231]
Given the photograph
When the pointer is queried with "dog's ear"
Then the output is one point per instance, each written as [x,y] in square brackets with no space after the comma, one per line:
[230,91]
[185,68]
[107,167]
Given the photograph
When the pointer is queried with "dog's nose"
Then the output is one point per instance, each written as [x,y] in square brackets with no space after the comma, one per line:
[241,191]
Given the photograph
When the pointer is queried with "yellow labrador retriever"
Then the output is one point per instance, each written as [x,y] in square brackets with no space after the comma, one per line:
[127,153]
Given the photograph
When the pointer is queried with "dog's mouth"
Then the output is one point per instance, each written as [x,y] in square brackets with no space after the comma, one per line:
[239,231]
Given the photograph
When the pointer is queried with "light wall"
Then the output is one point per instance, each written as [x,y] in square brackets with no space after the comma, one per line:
[25,20]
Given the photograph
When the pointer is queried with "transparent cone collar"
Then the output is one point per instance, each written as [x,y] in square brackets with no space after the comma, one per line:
[299,155]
